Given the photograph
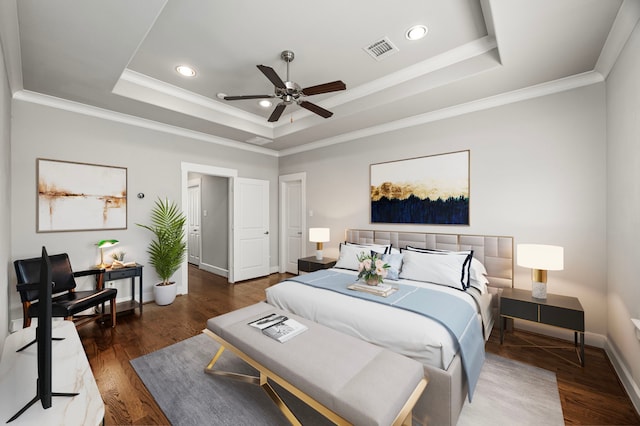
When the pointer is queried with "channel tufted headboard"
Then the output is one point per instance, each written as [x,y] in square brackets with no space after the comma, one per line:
[495,252]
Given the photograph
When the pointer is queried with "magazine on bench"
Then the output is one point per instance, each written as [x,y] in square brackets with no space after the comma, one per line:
[268,321]
[284,330]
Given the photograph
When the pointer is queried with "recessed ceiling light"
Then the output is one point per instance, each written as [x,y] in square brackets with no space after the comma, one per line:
[265,103]
[416,32]
[221,95]
[186,70]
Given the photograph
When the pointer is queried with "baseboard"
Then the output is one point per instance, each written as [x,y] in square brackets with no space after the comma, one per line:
[214,269]
[632,388]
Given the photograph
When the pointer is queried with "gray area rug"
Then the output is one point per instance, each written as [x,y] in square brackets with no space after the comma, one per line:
[507,393]
[510,392]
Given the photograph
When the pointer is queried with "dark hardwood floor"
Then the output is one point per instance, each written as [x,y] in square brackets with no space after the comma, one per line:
[590,395]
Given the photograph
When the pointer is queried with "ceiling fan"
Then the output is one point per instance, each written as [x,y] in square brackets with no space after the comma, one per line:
[290,92]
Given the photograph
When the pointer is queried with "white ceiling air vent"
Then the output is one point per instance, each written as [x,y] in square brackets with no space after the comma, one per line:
[259,140]
[381,49]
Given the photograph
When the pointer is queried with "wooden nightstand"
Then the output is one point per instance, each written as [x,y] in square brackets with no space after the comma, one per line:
[311,264]
[559,311]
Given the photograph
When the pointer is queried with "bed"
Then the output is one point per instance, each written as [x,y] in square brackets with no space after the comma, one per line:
[405,331]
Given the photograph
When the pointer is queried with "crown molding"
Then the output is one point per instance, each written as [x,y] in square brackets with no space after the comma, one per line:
[544,89]
[624,24]
[79,108]
[438,62]
[144,81]
[10,44]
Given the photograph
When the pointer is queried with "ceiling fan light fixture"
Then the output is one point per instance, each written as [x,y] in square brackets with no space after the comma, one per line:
[416,32]
[186,71]
[265,103]
[221,95]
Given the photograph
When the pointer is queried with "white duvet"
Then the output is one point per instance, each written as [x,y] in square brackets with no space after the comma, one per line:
[404,332]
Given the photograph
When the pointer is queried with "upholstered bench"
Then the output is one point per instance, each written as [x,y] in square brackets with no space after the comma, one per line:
[347,380]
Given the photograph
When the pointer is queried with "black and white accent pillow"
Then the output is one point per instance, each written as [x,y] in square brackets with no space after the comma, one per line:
[444,268]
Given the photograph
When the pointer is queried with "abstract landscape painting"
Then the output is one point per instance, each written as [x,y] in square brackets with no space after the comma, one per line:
[80,197]
[426,190]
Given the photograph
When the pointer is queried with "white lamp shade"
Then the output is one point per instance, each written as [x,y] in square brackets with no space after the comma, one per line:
[540,256]
[319,235]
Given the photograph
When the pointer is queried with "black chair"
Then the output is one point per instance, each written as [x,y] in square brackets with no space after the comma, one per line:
[66,300]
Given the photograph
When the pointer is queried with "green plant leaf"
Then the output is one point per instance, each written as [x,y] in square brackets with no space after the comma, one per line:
[167,250]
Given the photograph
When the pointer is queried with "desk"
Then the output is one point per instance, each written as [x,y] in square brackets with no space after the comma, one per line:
[71,373]
[559,311]
[132,272]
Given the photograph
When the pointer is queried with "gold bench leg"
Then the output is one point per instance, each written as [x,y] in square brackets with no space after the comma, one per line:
[236,376]
[264,384]
[260,381]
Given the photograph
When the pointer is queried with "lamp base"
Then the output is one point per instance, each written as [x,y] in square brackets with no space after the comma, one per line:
[318,254]
[539,290]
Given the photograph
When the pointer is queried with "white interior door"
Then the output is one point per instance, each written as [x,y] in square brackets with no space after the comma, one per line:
[194,241]
[292,221]
[250,228]
[294,225]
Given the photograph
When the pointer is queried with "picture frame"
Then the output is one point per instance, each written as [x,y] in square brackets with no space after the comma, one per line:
[430,190]
[74,196]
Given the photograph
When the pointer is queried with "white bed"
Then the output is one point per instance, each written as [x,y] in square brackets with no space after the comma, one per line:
[406,332]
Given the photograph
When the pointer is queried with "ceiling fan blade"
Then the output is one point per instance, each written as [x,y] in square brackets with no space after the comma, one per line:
[334,86]
[272,76]
[275,115]
[237,98]
[316,109]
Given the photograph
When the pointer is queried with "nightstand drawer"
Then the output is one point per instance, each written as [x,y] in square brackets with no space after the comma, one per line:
[560,317]
[311,264]
[118,275]
[518,309]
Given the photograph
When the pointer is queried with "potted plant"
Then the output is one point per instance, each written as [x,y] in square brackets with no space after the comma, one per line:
[167,250]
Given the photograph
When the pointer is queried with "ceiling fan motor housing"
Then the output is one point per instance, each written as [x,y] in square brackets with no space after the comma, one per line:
[290,93]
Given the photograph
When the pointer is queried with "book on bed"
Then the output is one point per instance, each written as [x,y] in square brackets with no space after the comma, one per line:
[381,289]
[284,330]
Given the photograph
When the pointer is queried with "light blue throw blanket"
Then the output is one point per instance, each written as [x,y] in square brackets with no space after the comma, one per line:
[458,317]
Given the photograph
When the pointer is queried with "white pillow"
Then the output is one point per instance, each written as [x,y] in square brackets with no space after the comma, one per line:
[349,256]
[436,268]
[467,274]
[477,271]
[378,248]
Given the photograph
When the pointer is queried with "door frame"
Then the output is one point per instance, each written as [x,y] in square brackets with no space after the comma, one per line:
[282,184]
[204,169]
[191,183]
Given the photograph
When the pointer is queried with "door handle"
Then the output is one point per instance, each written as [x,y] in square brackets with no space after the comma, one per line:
[266,232]
[299,233]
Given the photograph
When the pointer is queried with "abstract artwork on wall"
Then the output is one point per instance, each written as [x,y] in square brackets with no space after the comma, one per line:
[80,196]
[427,190]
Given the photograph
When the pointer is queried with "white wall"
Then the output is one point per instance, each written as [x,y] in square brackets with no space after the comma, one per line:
[5,193]
[623,212]
[153,160]
[537,174]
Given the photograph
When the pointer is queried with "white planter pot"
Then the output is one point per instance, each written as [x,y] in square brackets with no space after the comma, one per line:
[165,294]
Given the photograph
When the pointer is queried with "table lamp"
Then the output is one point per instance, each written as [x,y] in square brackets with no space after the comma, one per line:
[319,236]
[540,258]
[102,244]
